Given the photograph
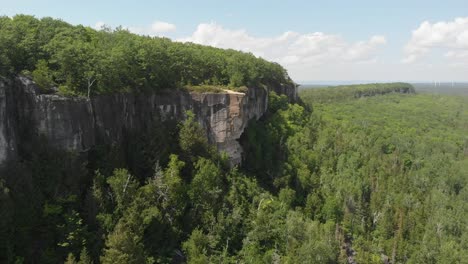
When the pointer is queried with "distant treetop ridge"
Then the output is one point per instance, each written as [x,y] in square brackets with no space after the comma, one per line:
[346,92]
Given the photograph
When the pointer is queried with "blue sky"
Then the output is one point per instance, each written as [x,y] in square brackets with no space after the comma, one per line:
[315,40]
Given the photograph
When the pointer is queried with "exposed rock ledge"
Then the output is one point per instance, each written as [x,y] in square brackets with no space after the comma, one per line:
[78,124]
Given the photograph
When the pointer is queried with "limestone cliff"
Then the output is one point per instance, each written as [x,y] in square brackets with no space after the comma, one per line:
[78,124]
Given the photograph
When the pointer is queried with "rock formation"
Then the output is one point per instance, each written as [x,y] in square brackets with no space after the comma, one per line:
[78,124]
[7,133]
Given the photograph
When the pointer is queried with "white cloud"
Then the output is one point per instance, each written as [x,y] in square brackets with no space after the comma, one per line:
[162,27]
[457,54]
[99,25]
[157,28]
[451,36]
[290,48]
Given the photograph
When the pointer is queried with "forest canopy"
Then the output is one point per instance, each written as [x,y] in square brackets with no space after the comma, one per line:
[78,60]
[350,92]
[373,179]
[360,174]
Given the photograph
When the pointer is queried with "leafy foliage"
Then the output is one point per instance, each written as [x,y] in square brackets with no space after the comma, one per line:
[350,92]
[381,176]
[389,166]
[82,61]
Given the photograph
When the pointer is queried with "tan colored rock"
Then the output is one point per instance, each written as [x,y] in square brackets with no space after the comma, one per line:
[78,124]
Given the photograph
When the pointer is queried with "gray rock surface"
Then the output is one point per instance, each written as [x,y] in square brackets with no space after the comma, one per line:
[8,148]
[78,124]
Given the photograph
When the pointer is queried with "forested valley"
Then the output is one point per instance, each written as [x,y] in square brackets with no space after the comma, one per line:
[359,174]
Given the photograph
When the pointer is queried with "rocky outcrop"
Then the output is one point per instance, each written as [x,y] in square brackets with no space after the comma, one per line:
[287,89]
[78,124]
[226,115]
[8,145]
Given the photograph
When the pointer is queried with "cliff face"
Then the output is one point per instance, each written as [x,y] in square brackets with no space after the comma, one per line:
[7,132]
[78,124]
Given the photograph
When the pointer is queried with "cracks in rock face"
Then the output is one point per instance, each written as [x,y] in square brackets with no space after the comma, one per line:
[93,122]
[80,123]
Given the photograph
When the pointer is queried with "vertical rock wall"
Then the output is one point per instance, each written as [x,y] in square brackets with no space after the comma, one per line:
[78,124]
[8,147]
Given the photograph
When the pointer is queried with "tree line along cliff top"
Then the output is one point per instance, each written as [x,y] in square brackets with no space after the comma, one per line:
[78,60]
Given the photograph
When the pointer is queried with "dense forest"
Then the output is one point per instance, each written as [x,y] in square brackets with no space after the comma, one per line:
[394,168]
[360,174]
[368,179]
[78,60]
[349,92]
